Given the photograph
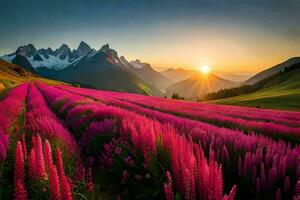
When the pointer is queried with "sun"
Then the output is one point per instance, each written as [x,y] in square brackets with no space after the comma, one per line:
[205,69]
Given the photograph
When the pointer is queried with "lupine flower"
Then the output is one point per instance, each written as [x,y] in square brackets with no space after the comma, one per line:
[40,166]
[48,154]
[20,192]
[232,193]
[65,188]
[32,164]
[54,183]
[19,174]
[59,162]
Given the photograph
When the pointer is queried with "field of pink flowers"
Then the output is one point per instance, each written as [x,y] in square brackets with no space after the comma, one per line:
[62,142]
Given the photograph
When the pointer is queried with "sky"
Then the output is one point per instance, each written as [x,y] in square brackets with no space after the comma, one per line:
[227,35]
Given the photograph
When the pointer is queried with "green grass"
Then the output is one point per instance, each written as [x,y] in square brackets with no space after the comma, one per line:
[282,93]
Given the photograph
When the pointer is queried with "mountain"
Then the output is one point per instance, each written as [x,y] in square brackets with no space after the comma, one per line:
[179,74]
[143,70]
[100,70]
[273,70]
[51,63]
[198,86]
[21,60]
[280,91]
[234,76]
[146,72]
[54,59]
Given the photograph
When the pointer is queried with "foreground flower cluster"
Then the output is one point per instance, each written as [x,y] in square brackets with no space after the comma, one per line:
[270,167]
[73,143]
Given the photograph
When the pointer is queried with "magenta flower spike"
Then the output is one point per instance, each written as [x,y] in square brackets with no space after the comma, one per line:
[54,183]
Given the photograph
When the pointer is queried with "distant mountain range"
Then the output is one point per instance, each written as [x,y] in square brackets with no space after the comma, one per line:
[105,69]
[101,69]
[198,86]
[179,74]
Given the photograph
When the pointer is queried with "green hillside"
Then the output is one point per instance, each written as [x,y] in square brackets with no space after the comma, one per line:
[282,92]
[11,75]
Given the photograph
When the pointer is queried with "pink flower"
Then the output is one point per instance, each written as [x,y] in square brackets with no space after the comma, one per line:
[40,166]
[48,154]
[20,192]
[232,193]
[19,164]
[32,164]
[19,188]
[54,183]
[65,188]
[59,162]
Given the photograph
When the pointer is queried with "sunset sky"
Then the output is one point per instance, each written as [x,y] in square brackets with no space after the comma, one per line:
[227,35]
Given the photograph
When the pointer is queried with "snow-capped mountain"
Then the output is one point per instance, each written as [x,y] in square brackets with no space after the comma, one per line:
[54,59]
[51,63]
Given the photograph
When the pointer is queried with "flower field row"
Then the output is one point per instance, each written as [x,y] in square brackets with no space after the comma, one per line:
[36,172]
[74,143]
[157,143]
[251,155]
[10,108]
[277,124]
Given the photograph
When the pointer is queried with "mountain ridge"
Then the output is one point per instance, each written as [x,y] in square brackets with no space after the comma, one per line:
[51,63]
[198,86]
[272,70]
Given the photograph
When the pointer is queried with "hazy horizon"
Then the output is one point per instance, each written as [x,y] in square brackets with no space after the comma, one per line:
[231,36]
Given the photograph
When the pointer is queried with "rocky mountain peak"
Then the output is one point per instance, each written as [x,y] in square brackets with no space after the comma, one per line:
[63,51]
[105,48]
[83,49]
[27,50]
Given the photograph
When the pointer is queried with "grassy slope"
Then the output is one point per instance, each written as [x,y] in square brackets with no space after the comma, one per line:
[282,93]
[11,75]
